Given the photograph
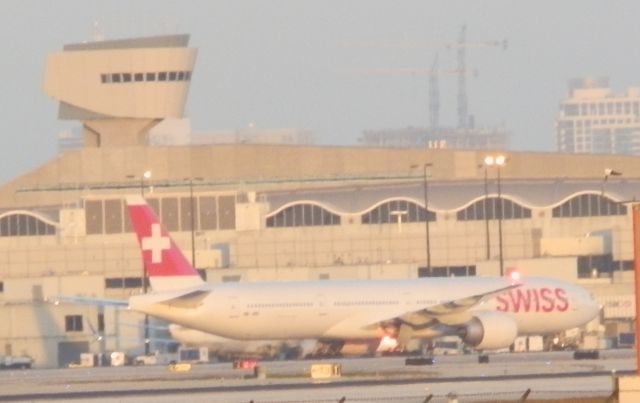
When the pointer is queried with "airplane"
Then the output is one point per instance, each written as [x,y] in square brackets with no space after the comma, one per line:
[487,313]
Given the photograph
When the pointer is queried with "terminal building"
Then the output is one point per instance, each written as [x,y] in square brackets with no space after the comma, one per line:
[278,211]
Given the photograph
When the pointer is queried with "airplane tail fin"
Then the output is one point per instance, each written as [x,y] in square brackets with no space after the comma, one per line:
[164,263]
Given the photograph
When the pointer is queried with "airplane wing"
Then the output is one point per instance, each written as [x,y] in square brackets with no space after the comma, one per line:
[449,312]
[57,300]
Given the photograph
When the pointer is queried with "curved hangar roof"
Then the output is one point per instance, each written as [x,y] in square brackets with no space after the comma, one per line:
[127,78]
[450,196]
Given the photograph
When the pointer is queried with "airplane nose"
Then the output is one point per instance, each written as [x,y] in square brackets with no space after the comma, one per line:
[590,307]
[594,307]
[587,308]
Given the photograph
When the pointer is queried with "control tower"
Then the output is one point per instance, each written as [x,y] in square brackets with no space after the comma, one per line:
[120,89]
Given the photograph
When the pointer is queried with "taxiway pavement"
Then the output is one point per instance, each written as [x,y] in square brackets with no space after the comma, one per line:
[381,379]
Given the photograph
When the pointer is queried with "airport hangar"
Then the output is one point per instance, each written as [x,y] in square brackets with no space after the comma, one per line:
[276,212]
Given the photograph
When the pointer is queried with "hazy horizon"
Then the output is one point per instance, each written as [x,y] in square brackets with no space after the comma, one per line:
[299,64]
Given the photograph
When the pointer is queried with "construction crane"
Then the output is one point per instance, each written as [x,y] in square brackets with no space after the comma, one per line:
[434,74]
[434,95]
[464,122]
[461,46]
[434,88]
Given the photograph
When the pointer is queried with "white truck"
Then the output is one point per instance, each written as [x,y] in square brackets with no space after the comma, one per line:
[193,354]
[447,345]
[15,362]
[156,358]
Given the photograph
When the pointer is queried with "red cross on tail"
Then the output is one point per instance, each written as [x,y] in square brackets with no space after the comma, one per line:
[165,264]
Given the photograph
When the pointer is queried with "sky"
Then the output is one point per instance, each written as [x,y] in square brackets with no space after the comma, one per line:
[300,64]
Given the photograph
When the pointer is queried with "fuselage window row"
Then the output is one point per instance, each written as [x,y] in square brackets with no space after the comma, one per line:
[282,305]
[309,304]
[352,303]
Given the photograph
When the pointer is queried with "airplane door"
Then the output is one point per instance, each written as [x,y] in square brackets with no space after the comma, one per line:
[322,303]
[407,298]
[234,307]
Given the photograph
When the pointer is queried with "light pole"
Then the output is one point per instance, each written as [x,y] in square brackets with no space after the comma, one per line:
[607,173]
[192,214]
[485,210]
[426,212]
[147,349]
[498,161]
[636,270]
[145,175]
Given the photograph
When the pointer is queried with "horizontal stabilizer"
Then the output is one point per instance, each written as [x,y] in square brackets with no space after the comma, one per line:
[189,300]
[88,301]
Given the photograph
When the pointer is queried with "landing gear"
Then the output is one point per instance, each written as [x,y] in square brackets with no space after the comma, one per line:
[327,349]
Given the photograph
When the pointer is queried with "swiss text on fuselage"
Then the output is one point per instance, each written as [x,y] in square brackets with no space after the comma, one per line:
[534,300]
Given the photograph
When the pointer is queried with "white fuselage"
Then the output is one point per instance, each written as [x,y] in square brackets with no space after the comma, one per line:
[351,309]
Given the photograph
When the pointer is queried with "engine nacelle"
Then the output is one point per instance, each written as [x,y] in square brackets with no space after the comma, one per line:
[490,331]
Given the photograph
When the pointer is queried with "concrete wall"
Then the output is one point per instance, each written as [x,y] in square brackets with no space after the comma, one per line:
[562,268]
[572,246]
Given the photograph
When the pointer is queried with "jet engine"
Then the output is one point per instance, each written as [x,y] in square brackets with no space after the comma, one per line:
[490,331]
